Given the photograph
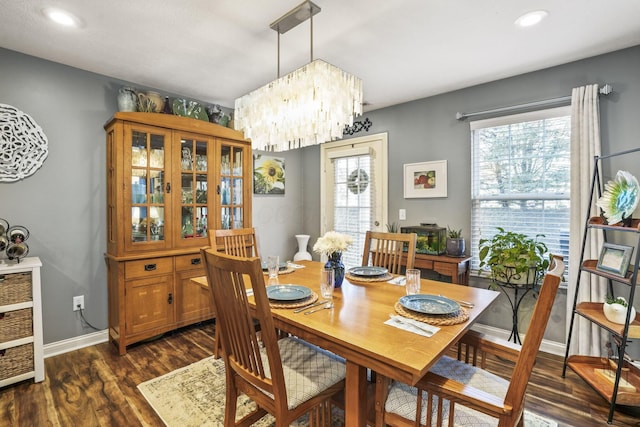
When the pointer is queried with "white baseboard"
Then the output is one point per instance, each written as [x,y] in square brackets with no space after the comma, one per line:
[551,347]
[75,343]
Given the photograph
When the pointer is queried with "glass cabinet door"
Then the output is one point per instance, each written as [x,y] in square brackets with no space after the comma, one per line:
[194,189]
[146,169]
[230,187]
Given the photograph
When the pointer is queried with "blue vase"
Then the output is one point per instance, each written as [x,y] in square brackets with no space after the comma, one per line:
[335,262]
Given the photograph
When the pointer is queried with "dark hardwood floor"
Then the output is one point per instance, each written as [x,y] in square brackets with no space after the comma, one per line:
[96,387]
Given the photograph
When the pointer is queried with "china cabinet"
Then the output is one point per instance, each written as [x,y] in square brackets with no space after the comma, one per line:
[613,377]
[21,349]
[170,179]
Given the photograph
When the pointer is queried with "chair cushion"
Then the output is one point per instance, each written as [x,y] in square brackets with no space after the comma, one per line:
[402,399]
[308,370]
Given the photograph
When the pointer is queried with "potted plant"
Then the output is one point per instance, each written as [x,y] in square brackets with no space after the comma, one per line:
[514,258]
[455,242]
[615,310]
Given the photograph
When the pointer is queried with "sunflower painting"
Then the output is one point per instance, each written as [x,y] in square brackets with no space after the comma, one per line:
[268,174]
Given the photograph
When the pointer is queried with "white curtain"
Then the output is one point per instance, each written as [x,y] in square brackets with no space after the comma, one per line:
[585,144]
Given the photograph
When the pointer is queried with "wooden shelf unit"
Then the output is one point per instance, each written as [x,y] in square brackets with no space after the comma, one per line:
[619,389]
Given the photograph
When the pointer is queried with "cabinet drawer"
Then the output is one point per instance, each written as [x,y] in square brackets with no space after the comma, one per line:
[16,324]
[189,262]
[16,361]
[148,267]
[15,288]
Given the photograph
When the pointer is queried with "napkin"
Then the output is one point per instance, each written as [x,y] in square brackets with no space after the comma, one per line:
[411,325]
[292,265]
[399,281]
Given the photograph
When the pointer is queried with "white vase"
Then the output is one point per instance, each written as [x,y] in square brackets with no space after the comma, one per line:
[302,254]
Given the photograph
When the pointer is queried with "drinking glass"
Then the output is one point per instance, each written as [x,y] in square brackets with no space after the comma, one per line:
[413,281]
[326,282]
[273,265]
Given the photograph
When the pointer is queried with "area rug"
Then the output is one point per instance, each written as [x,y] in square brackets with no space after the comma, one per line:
[193,396]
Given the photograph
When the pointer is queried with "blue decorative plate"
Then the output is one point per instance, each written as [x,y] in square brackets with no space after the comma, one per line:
[429,304]
[288,292]
[366,271]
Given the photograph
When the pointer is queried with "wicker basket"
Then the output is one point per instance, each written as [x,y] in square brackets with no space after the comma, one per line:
[16,324]
[16,361]
[15,288]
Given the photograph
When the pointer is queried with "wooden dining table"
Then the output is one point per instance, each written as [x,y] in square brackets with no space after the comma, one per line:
[354,329]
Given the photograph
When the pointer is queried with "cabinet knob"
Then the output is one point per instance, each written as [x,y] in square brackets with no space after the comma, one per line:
[195,261]
[168,186]
[170,299]
[149,267]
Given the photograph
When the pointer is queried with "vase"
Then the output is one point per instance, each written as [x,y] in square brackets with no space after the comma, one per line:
[302,254]
[455,247]
[335,262]
[127,99]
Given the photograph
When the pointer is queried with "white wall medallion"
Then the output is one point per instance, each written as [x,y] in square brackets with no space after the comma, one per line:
[23,144]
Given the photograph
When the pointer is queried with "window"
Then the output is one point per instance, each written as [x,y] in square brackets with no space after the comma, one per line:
[520,177]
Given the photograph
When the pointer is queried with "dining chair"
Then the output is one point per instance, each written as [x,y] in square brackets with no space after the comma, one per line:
[286,377]
[241,242]
[388,250]
[460,391]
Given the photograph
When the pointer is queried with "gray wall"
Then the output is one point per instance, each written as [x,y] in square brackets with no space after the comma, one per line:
[427,130]
[63,204]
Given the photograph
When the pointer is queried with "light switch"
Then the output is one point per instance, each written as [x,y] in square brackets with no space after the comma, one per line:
[402,214]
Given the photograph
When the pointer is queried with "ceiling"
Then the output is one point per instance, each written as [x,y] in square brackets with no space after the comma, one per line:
[218,50]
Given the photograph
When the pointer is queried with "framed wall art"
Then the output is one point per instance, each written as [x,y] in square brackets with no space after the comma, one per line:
[268,174]
[426,179]
[614,259]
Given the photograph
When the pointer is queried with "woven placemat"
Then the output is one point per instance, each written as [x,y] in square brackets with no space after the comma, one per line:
[354,278]
[460,316]
[295,304]
[285,271]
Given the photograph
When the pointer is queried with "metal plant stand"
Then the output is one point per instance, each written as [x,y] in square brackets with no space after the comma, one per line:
[515,303]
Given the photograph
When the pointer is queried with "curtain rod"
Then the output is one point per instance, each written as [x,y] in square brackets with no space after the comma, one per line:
[604,90]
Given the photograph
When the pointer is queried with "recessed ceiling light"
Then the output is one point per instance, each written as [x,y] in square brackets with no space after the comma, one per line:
[531,18]
[62,17]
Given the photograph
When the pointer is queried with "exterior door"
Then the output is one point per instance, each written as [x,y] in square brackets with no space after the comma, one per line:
[354,189]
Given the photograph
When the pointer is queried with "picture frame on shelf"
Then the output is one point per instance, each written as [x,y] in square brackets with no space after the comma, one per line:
[614,259]
[425,179]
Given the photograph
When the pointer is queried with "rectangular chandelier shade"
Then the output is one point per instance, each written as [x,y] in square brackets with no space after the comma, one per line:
[308,106]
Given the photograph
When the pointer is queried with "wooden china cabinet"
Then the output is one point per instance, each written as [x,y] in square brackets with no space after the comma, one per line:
[169,180]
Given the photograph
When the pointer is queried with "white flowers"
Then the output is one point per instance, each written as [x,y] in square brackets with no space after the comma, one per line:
[332,242]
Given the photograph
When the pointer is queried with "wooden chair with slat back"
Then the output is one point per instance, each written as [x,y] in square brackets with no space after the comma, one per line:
[241,242]
[460,391]
[387,250]
[286,378]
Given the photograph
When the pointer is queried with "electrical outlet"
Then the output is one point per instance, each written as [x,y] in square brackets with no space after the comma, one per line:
[78,303]
[402,214]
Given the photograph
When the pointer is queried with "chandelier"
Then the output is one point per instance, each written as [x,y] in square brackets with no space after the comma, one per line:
[308,106]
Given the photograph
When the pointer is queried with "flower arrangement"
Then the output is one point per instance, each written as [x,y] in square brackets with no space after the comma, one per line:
[332,242]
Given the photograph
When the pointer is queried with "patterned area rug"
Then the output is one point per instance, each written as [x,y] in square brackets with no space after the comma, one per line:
[193,396]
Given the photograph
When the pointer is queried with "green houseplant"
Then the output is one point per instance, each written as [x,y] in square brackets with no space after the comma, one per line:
[514,258]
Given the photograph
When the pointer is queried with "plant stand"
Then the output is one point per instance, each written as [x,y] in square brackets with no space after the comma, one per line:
[515,304]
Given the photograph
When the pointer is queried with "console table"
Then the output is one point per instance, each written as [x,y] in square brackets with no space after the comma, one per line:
[455,267]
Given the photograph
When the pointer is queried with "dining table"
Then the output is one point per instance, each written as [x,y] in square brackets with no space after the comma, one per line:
[355,329]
